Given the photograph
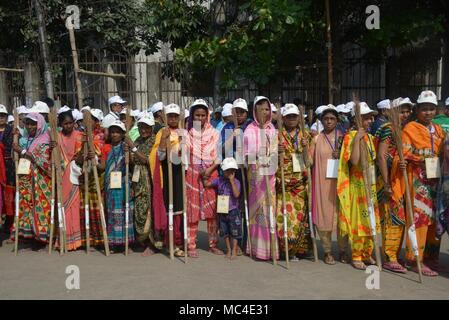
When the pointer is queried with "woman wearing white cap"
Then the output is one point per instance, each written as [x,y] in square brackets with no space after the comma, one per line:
[259,211]
[295,180]
[159,174]
[354,222]
[326,152]
[116,104]
[69,145]
[202,142]
[140,151]
[423,145]
[113,162]
[35,182]
[9,183]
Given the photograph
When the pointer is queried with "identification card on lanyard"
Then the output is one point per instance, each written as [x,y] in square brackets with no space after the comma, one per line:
[298,162]
[116,180]
[136,174]
[332,168]
[24,166]
[223,204]
[433,170]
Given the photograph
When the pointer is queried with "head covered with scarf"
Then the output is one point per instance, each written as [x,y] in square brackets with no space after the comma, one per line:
[41,136]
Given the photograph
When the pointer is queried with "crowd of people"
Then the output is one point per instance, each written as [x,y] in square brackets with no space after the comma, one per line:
[169,167]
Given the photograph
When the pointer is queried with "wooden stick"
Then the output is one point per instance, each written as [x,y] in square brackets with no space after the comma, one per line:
[307,163]
[127,126]
[268,193]
[16,160]
[86,122]
[79,89]
[184,164]
[101,74]
[170,191]
[11,70]
[367,184]
[56,159]
[242,172]
[97,187]
[284,211]
[396,126]
[52,203]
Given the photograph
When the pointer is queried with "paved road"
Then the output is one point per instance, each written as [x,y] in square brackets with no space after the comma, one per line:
[36,275]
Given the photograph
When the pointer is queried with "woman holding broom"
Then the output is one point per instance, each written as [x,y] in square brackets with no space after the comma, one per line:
[354,215]
[391,209]
[422,142]
[34,181]
[295,179]
[326,152]
[258,190]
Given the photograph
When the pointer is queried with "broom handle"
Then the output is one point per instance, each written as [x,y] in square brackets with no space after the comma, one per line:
[127,186]
[86,196]
[183,168]
[16,160]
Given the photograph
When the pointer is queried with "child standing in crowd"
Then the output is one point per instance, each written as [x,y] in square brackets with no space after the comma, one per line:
[228,205]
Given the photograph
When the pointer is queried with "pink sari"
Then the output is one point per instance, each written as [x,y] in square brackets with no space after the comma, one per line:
[69,146]
[259,211]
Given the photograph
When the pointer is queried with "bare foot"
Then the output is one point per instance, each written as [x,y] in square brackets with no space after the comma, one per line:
[228,254]
[148,252]
[233,257]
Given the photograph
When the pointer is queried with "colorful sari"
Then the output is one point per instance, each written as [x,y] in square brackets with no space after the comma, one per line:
[95,230]
[354,215]
[10,184]
[419,143]
[35,188]
[143,194]
[69,146]
[298,229]
[259,217]
[115,198]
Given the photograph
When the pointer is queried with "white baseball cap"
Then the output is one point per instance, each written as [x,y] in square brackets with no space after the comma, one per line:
[340,108]
[3,109]
[64,109]
[320,109]
[229,163]
[132,113]
[240,103]
[199,102]
[97,113]
[22,109]
[349,106]
[227,110]
[273,108]
[118,123]
[402,101]
[328,107]
[364,109]
[158,106]
[186,113]
[148,119]
[172,108]
[116,99]
[40,107]
[447,102]
[77,115]
[384,104]
[289,108]
[260,98]
[107,121]
[10,118]
[427,96]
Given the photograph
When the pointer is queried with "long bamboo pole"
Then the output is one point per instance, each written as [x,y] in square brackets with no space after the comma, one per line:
[86,121]
[16,160]
[127,127]
[306,160]
[284,210]
[52,203]
[184,165]
[263,143]
[367,184]
[239,153]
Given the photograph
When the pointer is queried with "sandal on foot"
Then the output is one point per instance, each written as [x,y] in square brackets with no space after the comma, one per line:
[343,257]
[426,271]
[359,265]
[193,254]
[216,251]
[394,267]
[179,253]
[329,259]
[370,261]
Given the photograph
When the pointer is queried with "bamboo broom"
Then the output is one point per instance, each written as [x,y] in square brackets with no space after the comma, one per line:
[239,152]
[305,155]
[367,183]
[284,211]
[16,160]
[127,125]
[86,122]
[394,116]
[184,164]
